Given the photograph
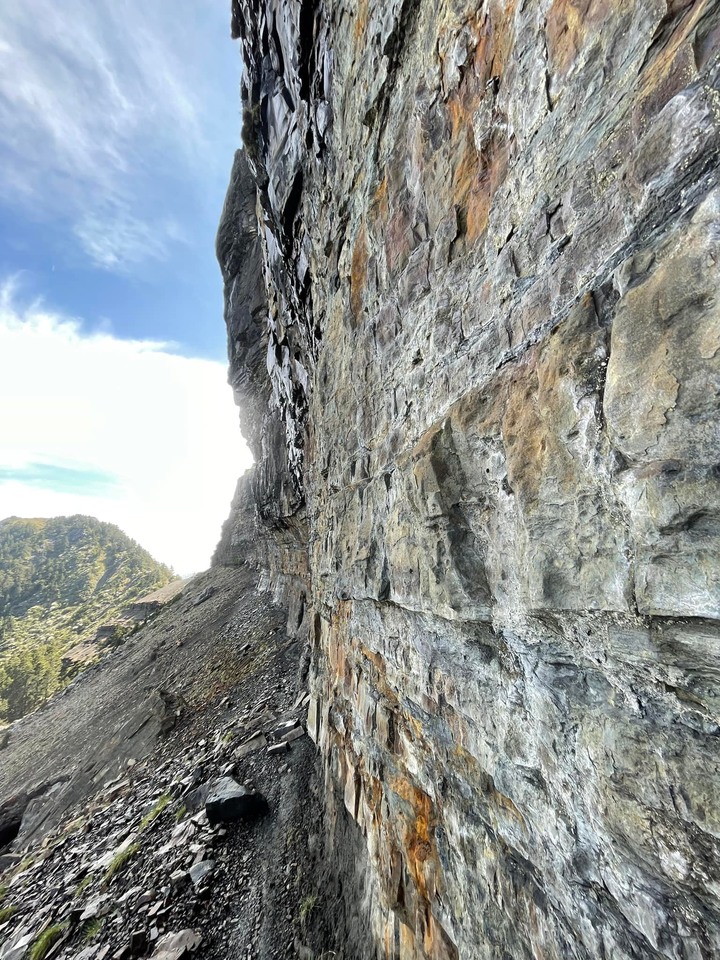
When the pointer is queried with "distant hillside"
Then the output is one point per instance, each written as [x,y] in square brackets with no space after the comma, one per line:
[60,579]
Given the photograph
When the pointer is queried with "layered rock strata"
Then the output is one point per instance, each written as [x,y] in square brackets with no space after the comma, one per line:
[471,255]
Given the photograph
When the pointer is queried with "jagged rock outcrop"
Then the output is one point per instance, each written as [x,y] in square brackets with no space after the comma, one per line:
[473,324]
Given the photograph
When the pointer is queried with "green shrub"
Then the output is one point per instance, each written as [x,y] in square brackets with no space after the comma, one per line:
[92,930]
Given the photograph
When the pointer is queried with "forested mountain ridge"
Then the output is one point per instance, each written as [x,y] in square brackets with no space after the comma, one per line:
[60,579]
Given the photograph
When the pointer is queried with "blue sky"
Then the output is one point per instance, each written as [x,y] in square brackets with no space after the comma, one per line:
[118,124]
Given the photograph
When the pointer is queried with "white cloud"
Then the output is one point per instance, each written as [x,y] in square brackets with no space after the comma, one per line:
[163,426]
[102,101]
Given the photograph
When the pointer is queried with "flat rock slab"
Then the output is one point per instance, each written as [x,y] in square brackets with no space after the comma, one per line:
[257,742]
[176,946]
[294,734]
[201,871]
[227,800]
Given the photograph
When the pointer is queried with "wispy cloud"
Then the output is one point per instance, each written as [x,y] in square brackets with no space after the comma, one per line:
[116,240]
[98,100]
[124,430]
[83,481]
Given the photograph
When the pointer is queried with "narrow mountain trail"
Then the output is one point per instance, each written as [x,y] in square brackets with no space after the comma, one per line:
[116,857]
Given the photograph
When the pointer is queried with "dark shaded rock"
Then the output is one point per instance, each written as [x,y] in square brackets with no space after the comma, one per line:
[195,799]
[169,707]
[138,941]
[227,800]
[8,860]
[11,815]
[180,878]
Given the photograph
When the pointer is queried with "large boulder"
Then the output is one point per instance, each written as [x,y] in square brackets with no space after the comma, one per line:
[227,800]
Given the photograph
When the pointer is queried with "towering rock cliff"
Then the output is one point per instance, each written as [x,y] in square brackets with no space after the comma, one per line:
[471,256]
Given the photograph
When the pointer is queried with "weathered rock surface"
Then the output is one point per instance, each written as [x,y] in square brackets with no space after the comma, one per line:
[471,263]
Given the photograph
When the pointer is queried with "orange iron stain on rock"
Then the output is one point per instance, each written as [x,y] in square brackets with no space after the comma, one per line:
[358,272]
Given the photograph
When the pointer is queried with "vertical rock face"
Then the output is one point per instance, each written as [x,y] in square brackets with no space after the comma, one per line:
[472,262]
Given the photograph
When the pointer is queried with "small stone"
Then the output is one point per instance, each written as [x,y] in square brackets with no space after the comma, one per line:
[281,747]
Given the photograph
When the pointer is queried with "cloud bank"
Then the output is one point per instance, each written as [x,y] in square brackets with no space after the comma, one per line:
[124,430]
